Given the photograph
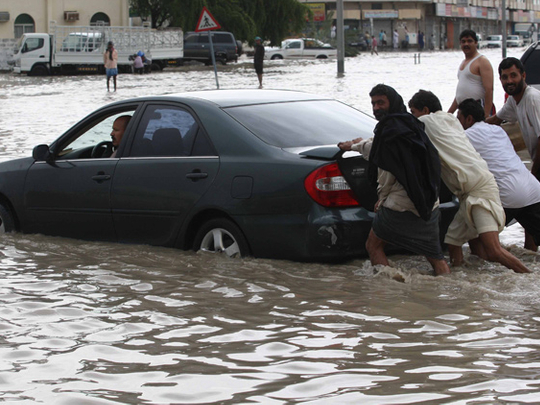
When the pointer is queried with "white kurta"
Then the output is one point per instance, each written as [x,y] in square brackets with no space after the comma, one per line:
[464,172]
[518,188]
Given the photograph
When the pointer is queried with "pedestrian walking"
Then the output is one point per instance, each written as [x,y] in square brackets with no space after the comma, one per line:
[258,58]
[110,61]
[395,39]
[374,44]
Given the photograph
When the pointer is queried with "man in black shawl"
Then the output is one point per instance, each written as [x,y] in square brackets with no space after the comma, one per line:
[406,166]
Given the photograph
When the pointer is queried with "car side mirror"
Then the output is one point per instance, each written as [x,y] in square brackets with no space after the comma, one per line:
[41,153]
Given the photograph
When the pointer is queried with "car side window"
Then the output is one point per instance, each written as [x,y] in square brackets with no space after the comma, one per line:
[222,39]
[32,44]
[191,39]
[294,45]
[80,146]
[168,131]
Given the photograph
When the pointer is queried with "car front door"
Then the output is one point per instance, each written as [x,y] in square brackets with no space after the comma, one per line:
[169,167]
[69,194]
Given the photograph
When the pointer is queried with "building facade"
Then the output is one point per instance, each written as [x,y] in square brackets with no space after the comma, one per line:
[20,16]
[440,21]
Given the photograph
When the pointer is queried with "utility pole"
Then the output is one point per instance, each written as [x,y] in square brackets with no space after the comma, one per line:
[340,38]
[503,22]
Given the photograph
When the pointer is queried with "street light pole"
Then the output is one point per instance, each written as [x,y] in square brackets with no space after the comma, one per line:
[340,38]
[503,22]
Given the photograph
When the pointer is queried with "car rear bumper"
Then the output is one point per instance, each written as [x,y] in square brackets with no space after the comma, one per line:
[325,234]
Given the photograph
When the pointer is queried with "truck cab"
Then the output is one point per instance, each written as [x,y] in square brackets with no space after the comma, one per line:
[32,54]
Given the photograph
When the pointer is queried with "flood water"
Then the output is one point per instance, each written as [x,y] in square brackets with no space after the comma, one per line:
[98,323]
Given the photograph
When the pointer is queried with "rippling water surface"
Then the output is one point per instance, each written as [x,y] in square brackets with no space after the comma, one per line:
[97,323]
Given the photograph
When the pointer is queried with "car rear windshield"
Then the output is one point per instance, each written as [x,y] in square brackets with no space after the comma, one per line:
[304,123]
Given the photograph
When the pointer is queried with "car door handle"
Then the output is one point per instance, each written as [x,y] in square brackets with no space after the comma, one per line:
[41,56]
[196,175]
[101,177]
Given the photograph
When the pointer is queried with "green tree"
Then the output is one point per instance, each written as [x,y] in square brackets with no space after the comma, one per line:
[160,11]
[272,20]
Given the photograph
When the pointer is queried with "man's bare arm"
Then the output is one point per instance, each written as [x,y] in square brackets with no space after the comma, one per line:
[453,107]
[494,120]
[486,74]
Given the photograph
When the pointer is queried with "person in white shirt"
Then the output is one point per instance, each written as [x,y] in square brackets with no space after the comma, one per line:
[480,217]
[518,188]
[523,106]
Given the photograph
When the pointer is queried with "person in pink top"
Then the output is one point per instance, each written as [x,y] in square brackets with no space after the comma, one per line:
[110,61]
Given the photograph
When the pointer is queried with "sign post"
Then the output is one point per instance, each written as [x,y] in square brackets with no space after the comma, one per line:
[207,22]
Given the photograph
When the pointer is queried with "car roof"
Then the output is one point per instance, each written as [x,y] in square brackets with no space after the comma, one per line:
[234,98]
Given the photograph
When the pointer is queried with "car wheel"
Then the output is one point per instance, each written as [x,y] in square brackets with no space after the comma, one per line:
[155,67]
[221,235]
[39,70]
[7,223]
[274,57]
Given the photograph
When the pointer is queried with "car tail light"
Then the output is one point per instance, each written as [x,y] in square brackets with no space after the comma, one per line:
[327,186]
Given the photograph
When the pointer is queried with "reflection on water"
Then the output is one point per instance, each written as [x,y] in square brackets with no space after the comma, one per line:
[97,323]
[136,324]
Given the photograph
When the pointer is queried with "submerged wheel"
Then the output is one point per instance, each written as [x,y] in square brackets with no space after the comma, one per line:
[221,236]
[39,70]
[7,223]
[274,57]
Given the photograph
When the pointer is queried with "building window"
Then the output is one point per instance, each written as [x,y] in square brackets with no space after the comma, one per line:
[100,19]
[23,24]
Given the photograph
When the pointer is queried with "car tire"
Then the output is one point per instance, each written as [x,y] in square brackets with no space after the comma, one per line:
[7,223]
[221,235]
[39,70]
[275,57]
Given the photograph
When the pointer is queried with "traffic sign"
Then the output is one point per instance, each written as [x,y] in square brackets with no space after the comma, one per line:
[207,22]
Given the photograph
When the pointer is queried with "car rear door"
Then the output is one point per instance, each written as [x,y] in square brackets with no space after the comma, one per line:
[169,166]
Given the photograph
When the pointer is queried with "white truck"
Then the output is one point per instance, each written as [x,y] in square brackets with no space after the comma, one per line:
[301,48]
[79,49]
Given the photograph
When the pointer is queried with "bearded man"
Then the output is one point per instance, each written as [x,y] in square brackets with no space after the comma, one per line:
[406,166]
[522,106]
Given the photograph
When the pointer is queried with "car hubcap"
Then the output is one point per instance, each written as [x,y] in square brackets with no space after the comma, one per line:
[220,241]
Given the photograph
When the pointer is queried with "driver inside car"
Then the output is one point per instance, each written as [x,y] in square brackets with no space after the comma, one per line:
[118,129]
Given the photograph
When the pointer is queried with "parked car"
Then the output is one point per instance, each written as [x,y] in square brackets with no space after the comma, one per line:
[360,43]
[197,47]
[531,63]
[494,41]
[481,42]
[514,41]
[301,48]
[244,172]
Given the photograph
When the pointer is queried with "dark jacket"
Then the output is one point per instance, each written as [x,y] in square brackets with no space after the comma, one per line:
[259,54]
[401,147]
